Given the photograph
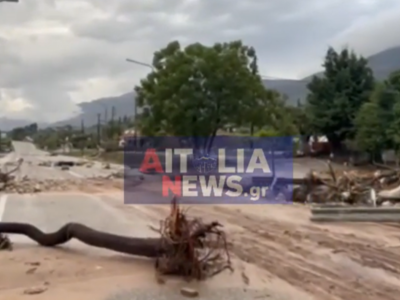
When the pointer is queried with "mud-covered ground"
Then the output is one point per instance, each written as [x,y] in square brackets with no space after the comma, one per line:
[277,252]
[295,258]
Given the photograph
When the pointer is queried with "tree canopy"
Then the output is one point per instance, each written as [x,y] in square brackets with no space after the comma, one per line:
[377,122]
[336,96]
[197,90]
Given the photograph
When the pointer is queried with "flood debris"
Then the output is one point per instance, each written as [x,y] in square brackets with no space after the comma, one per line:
[349,187]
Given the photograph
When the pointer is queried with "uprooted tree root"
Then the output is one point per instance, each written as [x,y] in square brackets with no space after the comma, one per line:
[187,247]
[5,243]
[192,249]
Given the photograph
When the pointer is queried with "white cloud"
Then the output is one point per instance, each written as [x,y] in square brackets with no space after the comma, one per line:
[56,53]
[374,31]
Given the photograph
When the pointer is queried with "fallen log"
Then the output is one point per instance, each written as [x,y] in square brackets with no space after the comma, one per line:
[147,247]
[186,247]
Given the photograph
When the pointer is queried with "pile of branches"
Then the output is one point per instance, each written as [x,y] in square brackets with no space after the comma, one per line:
[186,247]
[348,187]
[6,176]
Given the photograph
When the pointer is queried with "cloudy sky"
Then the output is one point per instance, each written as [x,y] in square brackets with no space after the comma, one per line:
[57,53]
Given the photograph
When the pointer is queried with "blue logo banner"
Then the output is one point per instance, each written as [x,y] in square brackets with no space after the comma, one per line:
[227,170]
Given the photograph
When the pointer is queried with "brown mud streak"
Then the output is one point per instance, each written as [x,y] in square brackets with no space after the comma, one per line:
[302,256]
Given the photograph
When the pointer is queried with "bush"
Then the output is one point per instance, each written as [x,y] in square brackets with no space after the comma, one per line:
[270,132]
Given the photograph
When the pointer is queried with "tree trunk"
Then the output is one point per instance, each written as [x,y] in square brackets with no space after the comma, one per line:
[181,249]
[147,247]
[336,143]
[210,141]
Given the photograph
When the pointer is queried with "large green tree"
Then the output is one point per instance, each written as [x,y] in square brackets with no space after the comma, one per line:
[197,90]
[21,133]
[393,131]
[370,135]
[377,122]
[393,81]
[336,96]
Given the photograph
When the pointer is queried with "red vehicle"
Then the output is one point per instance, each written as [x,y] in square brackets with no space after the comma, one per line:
[319,145]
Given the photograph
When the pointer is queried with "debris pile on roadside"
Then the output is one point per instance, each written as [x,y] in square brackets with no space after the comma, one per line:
[29,185]
[349,187]
[45,164]
[78,163]
[120,174]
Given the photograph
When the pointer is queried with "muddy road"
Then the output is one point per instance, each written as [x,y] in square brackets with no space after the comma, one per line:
[277,252]
[296,259]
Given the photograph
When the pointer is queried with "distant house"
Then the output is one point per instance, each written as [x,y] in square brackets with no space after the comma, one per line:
[127,138]
[319,145]
[315,145]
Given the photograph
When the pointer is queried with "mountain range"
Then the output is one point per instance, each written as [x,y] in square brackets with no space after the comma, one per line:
[382,63]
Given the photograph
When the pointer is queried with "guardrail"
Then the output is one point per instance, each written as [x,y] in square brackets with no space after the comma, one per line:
[332,213]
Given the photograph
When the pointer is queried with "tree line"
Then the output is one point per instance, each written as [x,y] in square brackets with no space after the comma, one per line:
[201,90]
[105,133]
[198,90]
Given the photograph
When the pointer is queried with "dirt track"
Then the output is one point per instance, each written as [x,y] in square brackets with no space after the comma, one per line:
[327,262]
[276,251]
[310,261]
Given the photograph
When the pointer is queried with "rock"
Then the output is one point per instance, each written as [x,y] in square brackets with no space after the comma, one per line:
[31,270]
[189,292]
[117,174]
[159,278]
[35,290]
[64,168]
[245,279]
[106,166]
[37,188]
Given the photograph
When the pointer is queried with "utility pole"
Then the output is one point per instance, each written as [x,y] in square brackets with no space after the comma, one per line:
[113,111]
[135,121]
[111,124]
[81,139]
[105,115]
[98,128]
[82,126]
[135,127]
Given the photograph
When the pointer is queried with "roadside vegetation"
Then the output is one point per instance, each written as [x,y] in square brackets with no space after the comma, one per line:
[201,90]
